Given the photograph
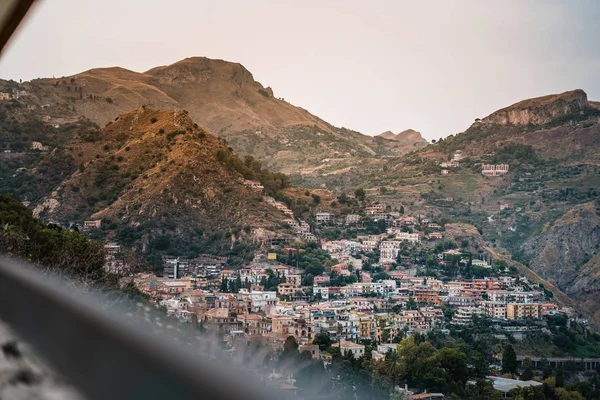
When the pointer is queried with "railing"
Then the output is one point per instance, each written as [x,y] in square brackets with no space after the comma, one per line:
[101,354]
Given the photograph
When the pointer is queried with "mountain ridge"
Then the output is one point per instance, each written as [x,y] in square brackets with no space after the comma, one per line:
[228,101]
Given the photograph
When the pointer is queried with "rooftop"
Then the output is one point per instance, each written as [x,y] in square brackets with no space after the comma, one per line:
[506,385]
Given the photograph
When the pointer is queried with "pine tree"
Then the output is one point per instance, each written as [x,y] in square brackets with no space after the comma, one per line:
[223,285]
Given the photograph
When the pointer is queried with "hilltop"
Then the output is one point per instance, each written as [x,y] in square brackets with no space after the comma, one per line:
[160,183]
[228,101]
[408,135]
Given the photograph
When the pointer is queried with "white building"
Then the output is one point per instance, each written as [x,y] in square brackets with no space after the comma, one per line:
[375,209]
[464,315]
[261,301]
[494,169]
[408,237]
[388,251]
[352,219]
[357,350]
[323,217]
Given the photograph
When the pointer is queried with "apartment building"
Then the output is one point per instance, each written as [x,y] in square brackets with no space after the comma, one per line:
[523,311]
[494,309]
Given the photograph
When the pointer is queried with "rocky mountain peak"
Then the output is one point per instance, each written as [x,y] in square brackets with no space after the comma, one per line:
[406,135]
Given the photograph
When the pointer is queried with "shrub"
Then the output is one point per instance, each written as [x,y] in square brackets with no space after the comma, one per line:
[153,120]
[109,100]
[172,134]
[127,148]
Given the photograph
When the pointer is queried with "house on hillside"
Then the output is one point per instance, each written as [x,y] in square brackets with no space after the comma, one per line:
[39,146]
[89,225]
[323,217]
[375,209]
[254,185]
[352,219]
[494,169]
[357,350]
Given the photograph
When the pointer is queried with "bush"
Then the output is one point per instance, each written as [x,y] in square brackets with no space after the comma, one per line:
[109,100]
[153,120]
[173,134]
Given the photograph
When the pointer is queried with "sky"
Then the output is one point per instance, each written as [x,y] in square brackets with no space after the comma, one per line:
[371,66]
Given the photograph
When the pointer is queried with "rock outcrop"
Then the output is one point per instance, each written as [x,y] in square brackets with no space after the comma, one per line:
[540,110]
[561,249]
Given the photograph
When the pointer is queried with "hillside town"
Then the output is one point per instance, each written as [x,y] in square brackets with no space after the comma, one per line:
[365,293]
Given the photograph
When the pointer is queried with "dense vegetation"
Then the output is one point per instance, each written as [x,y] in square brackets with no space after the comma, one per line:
[50,246]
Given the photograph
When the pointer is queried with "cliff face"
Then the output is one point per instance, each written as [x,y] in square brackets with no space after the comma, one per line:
[560,251]
[540,110]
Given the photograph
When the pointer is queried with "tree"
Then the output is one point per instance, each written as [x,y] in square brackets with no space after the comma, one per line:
[509,360]
[527,373]
[238,284]
[290,347]
[323,341]
[546,371]
[560,376]
[360,194]
[401,209]
[455,363]
[411,304]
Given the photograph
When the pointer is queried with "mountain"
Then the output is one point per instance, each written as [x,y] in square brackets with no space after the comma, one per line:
[227,100]
[409,136]
[543,211]
[162,184]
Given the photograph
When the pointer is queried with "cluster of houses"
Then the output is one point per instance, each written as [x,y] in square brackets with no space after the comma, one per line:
[390,243]
[453,163]
[381,310]
[486,169]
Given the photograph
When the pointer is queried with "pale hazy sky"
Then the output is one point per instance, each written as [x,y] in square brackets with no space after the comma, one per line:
[371,65]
